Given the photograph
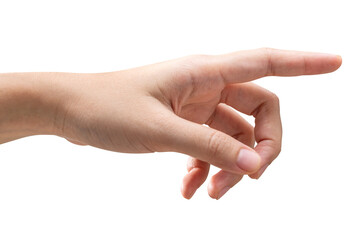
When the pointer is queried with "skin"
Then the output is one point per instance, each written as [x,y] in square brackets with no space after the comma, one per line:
[187,105]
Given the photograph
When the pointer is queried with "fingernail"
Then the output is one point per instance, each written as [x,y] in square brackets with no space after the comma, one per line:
[222,192]
[248,160]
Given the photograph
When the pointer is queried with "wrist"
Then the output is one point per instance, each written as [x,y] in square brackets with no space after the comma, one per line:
[31,104]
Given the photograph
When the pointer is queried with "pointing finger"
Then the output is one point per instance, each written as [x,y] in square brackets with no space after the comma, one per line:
[249,65]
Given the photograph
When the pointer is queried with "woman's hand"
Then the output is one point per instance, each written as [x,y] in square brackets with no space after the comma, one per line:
[165,107]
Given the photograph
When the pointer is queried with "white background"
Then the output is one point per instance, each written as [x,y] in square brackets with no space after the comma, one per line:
[51,189]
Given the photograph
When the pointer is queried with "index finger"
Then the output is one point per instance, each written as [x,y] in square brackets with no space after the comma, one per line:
[244,66]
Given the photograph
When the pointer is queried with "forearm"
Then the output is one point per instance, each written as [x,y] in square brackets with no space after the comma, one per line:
[31,104]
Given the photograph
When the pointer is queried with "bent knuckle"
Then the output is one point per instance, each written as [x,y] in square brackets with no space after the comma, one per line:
[249,136]
[276,150]
[248,131]
[273,99]
[246,136]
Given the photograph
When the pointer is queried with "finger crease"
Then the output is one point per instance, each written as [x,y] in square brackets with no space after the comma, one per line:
[270,67]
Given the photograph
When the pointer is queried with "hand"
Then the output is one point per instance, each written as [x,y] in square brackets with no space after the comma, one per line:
[163,107]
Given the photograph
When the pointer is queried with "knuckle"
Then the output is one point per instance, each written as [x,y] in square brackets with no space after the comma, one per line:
[273,99]
[196,60]
[193,65]
[266,50]
[216,142]
[200,70]
[202,63]
[267,53]
[250,137]
[246,136]
[248,131]
[200,57]
[276,151]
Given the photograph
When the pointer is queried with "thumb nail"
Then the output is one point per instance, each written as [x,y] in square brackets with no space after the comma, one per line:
[248,160]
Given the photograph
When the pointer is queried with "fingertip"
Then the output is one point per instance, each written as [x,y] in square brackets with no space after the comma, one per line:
[259,173]
[338,61]
[215,192]
[332,62]
[186,189]
[211,191]
[75,142]
[222,192]
[186,193]
[186,197]
[254,176]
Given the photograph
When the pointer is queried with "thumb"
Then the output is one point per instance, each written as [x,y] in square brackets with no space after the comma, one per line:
[210,145]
